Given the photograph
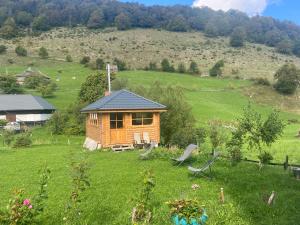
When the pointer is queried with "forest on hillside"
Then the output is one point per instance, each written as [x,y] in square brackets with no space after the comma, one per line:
[42,15]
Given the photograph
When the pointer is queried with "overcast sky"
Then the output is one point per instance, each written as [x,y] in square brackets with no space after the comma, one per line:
[281,9]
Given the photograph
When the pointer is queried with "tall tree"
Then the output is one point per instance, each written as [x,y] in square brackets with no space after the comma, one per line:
[96,20]
[238,37]
[287,79]
[123,22]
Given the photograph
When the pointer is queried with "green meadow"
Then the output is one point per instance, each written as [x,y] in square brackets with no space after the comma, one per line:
[115,177]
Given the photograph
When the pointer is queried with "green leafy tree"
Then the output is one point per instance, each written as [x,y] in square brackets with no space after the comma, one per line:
[23,18]
[181,68]
[178,123]
[287,79]
[47,90]
[21,51]
[296,48]
[238,37]
[178,24]
[33,82]
[216,70]
[96,20]
[123,22]
[40,23]
[93,88]
[194,68]
[120,64]
[285,47]
[9,85]
[2,49]
[255,131]
[43,53]
[166,66]
[9,29]
[100,64]
[217,135]
[85,60]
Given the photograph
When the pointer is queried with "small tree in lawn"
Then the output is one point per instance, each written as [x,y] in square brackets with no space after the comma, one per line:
[9,85]
[255,131]
[217,135]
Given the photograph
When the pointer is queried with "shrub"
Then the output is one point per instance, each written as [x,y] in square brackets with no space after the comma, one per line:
[2,49]
[194,68]
[100,64]
[181,68]
[216,70]
[21,51]
[85,60]
[235,155]
[152,66]
[265,157]
[120,64]
[142,212]
[22,141]
[69,58]
[8,137]
[43,53]
[119,84]
[9,85]
[80,183]
[287,79]
[34,82]
[237,37]
[47,89]
[3,122]
[166,66]
[262,81]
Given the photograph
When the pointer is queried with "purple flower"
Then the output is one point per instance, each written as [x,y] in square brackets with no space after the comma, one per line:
[26,202]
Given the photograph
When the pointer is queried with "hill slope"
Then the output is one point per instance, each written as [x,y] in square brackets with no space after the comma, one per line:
[141,46]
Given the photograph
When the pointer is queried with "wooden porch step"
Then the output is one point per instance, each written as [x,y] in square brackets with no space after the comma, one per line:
[121,148]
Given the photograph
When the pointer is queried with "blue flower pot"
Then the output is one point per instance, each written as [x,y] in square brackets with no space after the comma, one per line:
[183,221]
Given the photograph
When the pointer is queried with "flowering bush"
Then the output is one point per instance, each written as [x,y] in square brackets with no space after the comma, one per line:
[22,210]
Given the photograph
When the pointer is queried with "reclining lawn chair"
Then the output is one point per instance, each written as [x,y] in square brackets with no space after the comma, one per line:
[186,154]
[207,166]
[137,140]
[148,150]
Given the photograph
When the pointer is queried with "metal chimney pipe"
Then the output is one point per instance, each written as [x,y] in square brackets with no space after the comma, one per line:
[108,78]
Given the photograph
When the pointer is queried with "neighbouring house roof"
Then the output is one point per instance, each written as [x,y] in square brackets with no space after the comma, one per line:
[123,100]
[23,103]
[30,72]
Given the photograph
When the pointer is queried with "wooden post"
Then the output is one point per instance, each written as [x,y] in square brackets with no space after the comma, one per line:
[222,198]
[271,199]
[286,163]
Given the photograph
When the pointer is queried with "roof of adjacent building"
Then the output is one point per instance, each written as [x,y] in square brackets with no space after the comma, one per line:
[23,103]
[123,100]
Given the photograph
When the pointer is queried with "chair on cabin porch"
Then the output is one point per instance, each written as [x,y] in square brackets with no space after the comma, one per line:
[137,140]
[146,138]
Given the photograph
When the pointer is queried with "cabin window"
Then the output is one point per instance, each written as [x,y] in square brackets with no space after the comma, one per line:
[116,120]
[142,119]
[94,119]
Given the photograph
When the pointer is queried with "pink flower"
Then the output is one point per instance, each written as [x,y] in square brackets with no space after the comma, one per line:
[26,202]
[30,207]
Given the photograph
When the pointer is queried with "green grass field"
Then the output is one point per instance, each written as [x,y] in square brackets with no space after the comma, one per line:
[115,177]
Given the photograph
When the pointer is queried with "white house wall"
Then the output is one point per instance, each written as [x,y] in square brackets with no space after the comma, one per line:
[2,117]
[32,117]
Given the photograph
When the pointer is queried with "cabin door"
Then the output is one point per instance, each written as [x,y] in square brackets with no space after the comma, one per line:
[117,130]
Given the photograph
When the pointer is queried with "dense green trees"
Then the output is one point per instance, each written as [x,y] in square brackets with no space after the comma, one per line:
[43,15]
[122,22]
[238,37]
[287,79]
[93,88]
[8,85]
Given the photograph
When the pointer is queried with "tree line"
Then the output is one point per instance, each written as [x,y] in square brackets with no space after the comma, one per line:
[42,15]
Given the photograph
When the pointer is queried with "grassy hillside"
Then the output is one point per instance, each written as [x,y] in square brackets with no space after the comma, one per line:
[141,46]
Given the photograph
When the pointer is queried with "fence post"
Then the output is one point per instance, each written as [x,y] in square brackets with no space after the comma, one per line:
[286,163]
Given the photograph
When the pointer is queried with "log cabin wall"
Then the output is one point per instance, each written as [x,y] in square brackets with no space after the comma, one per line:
[93,127]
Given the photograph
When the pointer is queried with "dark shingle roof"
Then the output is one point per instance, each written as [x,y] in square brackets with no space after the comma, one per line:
[23,103]
[121,100]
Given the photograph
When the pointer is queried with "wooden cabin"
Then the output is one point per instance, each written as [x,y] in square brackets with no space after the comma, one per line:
[120,119]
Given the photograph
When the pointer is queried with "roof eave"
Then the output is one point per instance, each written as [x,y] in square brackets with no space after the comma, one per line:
[123,110]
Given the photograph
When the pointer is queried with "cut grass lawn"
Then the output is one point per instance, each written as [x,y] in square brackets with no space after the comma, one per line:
[115,179]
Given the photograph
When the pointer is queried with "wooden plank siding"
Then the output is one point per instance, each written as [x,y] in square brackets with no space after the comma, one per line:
[107,137]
